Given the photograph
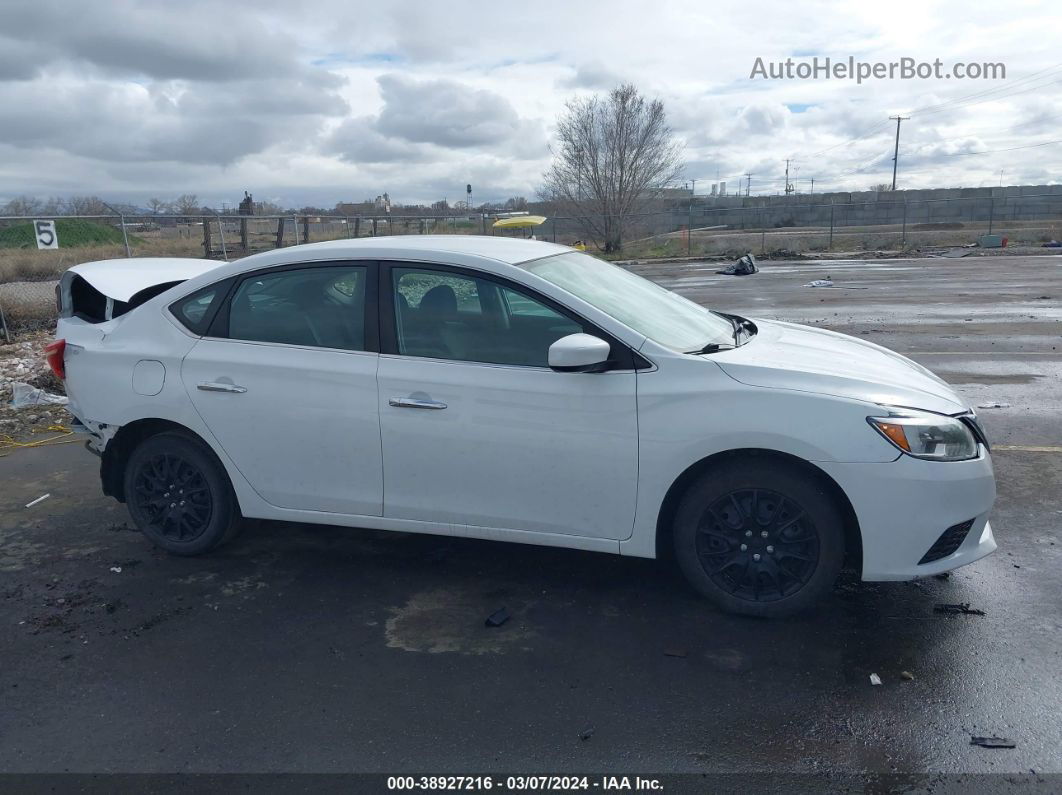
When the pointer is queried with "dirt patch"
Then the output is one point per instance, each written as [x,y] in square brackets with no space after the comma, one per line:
[451,620]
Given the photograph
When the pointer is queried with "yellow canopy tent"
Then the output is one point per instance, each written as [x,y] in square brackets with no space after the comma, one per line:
[519,222]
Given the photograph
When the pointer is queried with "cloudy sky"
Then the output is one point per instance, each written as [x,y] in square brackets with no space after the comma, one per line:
[314,103]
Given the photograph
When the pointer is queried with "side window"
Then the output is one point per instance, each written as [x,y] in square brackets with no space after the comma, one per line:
[194,311]
[322,307]
[450,316]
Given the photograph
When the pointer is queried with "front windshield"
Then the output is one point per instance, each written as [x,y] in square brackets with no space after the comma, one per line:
[659,314]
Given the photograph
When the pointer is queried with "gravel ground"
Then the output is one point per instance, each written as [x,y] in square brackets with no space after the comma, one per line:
[24,361]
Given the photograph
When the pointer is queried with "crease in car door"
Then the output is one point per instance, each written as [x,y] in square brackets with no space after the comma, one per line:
[290,394]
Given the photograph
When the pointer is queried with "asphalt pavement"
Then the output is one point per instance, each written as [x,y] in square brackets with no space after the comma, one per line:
[312,649]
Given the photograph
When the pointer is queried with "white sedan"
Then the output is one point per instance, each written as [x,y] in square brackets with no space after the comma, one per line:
[519,391]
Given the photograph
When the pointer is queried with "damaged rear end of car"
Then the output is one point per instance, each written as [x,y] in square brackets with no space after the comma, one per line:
[108,349]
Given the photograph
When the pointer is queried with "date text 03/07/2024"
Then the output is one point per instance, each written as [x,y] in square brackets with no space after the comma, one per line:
[523,783]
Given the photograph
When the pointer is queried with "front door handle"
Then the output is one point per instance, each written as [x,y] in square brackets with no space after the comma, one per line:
[213,386]
[415,403]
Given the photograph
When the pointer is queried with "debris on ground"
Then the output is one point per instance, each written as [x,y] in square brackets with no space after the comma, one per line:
[23,395]
[23,362]
[994,404]
[944,575]
[675,653]
[907,676]
[586,733]
[992,742]
[827,282]
[746,266]
[875,679]
[957,609]
[497,618]
[42,498]
[116,569]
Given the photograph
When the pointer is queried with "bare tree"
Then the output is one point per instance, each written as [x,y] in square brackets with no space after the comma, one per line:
[612,155]
[187,204]
[86,205]
[158,206]
[516,203]
[22,205]
[881,187]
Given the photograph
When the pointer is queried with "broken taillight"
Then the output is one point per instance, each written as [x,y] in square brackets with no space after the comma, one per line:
[53,354]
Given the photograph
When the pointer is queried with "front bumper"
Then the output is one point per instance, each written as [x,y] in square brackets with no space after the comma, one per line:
[904,506]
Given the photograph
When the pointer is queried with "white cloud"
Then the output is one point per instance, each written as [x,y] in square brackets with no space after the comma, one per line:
[132,98]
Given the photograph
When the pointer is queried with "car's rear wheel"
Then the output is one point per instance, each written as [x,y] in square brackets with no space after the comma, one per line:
[179,494]
[759,537]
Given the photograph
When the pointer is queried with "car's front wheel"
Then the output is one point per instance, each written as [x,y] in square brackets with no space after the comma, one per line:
[759,537]
[179,494]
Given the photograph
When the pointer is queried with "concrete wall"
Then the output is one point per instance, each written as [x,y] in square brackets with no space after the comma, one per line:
[868,208]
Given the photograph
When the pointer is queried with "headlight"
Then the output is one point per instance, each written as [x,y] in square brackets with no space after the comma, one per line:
[934,437]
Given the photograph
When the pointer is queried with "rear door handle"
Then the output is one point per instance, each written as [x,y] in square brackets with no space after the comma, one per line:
[213,386]
[414,403]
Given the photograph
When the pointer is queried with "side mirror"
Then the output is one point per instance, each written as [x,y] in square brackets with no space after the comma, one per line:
[579,353]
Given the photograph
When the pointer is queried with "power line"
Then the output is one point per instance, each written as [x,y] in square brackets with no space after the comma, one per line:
[1009,149]
[986,91]
[860,137]
[986,99]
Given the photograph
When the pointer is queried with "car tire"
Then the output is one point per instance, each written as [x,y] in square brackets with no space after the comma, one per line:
[179,495]
[759,538]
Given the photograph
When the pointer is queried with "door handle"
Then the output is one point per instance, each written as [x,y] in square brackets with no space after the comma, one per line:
[414,403]
[213,386]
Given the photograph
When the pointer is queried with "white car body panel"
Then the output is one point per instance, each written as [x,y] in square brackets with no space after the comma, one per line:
[579,460]
[305,434]
[121,279]
[518,447]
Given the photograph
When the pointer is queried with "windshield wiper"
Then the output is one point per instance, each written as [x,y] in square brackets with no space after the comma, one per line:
[714,347]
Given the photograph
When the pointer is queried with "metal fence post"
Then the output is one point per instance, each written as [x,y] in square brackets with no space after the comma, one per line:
[125,237]
[207,245]
[306,229]
[295,223]
[689,230]
[121,221]
[829,246]
[763,232]
[903,231]
[991,212]
[221,230]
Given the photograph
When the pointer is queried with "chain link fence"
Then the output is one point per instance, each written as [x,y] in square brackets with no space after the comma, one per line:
[767,226]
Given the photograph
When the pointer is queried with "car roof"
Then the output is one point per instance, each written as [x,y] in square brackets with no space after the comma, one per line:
[509,250]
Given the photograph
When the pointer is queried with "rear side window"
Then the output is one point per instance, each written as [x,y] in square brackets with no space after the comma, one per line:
[196,311]
[321,307]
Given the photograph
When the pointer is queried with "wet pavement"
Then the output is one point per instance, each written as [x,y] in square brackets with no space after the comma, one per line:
[300,648]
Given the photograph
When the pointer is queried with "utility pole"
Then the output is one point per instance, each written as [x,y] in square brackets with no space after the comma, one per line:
[693,190]
[788,187]
[812,184]
[896,151]
[748,184]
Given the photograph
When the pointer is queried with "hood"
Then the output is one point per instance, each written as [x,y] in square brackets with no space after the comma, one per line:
[121,279]
[790,356]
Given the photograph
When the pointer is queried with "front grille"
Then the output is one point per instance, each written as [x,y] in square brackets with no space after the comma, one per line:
[950,540]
